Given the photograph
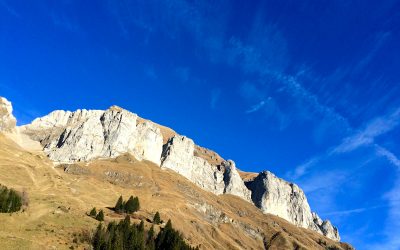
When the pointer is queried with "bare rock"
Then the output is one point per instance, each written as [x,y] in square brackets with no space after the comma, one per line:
[233,182]
[7,120]
[286,200]
[85,135]
[178,155]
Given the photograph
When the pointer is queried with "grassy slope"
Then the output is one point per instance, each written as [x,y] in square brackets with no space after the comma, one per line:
[59,201]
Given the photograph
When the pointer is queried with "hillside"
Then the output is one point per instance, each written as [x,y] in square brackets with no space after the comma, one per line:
[59,200]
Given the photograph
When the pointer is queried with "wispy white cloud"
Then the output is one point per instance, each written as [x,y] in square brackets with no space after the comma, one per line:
[256,107]
[391,239]
[379,40]
[392,158]
[375,128]
[353,211]
[365,137]
[302,169]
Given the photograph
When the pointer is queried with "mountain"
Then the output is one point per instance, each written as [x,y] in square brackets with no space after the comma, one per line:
[118,151]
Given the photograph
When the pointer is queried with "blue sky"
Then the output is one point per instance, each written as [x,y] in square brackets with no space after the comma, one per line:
[306,89]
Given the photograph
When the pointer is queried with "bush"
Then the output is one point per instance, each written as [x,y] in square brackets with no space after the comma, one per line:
[10,200]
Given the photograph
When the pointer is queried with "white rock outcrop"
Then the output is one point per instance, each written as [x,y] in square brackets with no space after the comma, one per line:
[286,200]
[325,227]
[178,155]
[7,120]
[234,184]
[85,135]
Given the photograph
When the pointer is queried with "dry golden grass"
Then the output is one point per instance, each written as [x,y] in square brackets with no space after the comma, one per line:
[59,201]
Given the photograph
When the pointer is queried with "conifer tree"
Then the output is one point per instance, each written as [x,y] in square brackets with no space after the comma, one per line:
[93,212]
[119,206]
[100,216]
[141,226]
[136,204]
[130,205]
[150,234]
[157,218]
[98,238]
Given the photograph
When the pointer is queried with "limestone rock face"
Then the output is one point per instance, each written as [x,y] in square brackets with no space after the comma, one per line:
[286,200]
[326,228]
[178,155]
[84,135]
[7,120]
[234,184]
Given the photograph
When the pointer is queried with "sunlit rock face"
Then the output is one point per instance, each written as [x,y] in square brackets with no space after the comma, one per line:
[85,135]
[178,155]
[233,182]
[7,120]
[286,200]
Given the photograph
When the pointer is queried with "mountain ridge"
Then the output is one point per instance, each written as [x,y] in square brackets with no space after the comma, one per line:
[87,135]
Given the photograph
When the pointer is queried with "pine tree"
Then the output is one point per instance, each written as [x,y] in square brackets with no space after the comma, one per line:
[141,226]
[98,238]
[93,212]
[136,204]
[119,206]
[100,216]
[130,205]
[157,218]
[150,234]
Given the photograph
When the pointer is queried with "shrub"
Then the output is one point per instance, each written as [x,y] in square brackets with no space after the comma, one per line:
[10,200]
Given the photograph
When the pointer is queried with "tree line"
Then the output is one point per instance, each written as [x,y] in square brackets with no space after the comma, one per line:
[125,235]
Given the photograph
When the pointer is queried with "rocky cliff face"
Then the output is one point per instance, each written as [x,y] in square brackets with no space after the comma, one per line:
[7,120]
[286,200]
[84,135]
[179,155]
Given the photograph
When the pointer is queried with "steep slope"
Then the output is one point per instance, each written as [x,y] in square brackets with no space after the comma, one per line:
[87,135]
[59,198]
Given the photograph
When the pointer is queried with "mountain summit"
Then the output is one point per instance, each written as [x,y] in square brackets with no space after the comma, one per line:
[86,136]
